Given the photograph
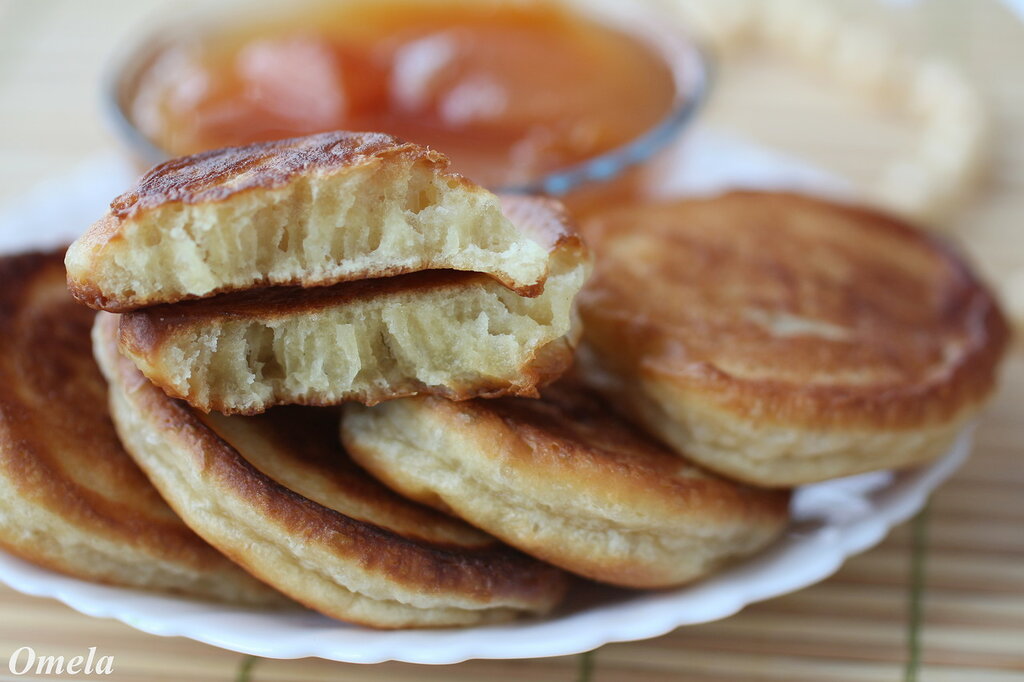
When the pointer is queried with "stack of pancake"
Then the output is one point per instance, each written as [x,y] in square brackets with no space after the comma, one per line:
[346,369]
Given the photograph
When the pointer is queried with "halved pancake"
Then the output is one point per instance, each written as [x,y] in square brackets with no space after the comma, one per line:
[309,211]
[456,334]
[71,499]
[566,480]
[781,339]
[278,494]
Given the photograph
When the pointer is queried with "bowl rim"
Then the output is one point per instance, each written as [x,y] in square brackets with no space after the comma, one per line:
[689,61]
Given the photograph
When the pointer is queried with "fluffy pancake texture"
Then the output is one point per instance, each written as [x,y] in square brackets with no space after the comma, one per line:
[71,499]
[456,334]
[278,495]
[780,339]
[308,211]
[565,479]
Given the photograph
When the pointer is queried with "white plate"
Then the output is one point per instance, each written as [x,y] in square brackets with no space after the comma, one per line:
[832,520]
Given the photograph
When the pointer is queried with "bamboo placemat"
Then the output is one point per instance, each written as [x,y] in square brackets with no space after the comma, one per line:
[858,625]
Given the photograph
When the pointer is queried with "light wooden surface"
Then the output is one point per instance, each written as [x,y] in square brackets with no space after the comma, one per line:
[851,627]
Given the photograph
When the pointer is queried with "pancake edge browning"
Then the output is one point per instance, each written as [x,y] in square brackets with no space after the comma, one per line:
[300,547]
[780,434]
[566,480]
[49,515]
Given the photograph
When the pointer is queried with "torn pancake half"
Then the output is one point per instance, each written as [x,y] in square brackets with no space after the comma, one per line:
[278,494]
[567,480]
[456,334]
[309,211]
[71,499]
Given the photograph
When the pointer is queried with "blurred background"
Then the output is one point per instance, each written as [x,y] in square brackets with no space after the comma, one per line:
[845,112]
[54,55]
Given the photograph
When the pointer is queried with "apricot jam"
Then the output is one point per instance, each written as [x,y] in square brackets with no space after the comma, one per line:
[509,89]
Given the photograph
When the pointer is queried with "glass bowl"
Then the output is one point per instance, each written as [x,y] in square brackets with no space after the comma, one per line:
[688,62]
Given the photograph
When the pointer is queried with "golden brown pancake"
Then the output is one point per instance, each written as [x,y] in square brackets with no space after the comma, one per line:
[566,480]
[309,211]
[71,499]
[278,494]
[780,339]
[438,332]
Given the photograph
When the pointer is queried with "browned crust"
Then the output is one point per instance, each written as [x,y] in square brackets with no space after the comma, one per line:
[628,342]
[217,175]
[491,572]
[56,437]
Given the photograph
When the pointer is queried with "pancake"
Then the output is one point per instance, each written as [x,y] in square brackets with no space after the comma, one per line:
[309,211]
[439,332]
[71,499]
[278,495]
[566,480]
[780,339]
